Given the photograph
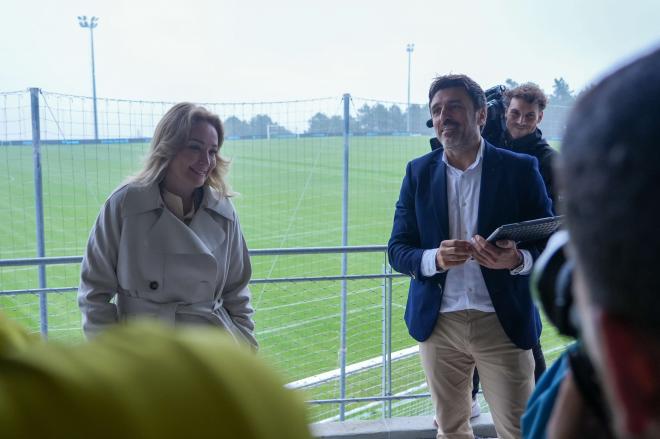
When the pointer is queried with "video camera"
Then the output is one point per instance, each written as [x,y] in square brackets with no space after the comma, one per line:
[552,287]
[495,127]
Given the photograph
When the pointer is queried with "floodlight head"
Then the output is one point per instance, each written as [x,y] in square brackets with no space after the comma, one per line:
[410,47]
[82,21]
[94,22]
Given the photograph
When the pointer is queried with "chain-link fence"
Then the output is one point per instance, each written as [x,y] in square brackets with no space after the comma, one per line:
[310,173]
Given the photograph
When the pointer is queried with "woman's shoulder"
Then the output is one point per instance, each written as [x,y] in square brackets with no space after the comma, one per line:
[218,203]
[130,197]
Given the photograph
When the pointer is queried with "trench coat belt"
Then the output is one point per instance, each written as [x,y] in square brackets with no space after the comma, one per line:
[217,314]
[141,305]
[211,310]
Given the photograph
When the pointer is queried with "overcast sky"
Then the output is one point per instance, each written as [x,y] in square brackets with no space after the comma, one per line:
[242,50]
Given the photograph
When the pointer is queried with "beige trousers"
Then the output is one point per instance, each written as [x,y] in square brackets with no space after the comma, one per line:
[461,340]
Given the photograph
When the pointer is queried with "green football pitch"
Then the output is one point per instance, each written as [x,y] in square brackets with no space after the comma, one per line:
[289,194]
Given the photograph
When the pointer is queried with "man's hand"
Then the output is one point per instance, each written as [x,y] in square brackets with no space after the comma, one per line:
[504,255]
[453,252]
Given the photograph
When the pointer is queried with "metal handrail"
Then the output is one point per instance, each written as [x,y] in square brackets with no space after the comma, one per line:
[273,280]
[256,252]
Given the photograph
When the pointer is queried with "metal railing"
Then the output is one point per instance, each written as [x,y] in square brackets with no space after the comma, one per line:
[338,371]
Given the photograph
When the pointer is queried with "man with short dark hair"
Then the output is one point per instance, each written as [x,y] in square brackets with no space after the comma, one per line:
[524,111]
[469,302]
[609,174]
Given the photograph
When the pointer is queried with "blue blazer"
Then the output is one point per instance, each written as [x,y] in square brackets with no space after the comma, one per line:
[512,190]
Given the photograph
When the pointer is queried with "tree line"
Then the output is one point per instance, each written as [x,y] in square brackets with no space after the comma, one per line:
[377,118]
[369,119]
[562,95]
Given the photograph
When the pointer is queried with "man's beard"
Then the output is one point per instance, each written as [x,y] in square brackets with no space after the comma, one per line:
[460,140]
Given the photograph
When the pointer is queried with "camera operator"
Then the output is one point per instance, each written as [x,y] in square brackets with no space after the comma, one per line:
[513,118]
[609,175]
[524,111]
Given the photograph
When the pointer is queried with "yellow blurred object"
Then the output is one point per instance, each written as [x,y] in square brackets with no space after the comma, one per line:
[14,337]
[144,380]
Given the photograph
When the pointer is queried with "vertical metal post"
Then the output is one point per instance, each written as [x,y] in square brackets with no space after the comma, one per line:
[389,336]
[384,339]
[39,207]
[96,122]
[344,262]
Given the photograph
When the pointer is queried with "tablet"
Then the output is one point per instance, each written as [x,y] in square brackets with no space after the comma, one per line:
[527,230]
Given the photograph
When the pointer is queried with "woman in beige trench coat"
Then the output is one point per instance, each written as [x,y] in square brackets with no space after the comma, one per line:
[168,244]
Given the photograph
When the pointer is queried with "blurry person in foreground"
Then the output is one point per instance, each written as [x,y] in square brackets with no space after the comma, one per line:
[609,174]
[142,380]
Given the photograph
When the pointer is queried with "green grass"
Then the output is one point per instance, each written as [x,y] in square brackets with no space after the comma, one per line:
[290,196]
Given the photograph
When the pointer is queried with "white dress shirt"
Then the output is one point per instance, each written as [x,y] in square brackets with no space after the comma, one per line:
[465,287]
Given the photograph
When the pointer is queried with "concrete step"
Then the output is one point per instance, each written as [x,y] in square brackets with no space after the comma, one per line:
[413,427]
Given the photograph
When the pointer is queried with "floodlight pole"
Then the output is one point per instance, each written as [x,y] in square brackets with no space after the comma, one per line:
[91,24]
[409,48]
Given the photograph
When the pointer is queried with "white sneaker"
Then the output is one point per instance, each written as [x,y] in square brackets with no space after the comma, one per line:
[476,409]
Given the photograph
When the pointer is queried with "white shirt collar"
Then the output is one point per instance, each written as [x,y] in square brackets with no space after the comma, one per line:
[175,204]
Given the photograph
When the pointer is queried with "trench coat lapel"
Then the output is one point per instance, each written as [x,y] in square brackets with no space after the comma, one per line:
[171,235]
[205,223]
[207,230]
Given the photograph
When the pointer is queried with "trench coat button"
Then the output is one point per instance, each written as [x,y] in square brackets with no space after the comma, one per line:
[153,285]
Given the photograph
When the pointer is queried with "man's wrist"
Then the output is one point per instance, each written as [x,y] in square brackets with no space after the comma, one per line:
[521,262]
[439,268]
[428,264]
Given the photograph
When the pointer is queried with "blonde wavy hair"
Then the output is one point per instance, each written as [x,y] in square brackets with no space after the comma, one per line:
[171,135]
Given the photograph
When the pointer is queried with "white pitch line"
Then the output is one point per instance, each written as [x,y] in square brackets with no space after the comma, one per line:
[364,365]
[377,403]
[351,369]
[314,320]
[291,220]
[556,348]
[351,294]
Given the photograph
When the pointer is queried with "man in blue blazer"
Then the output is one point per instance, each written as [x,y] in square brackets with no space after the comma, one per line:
[469,301]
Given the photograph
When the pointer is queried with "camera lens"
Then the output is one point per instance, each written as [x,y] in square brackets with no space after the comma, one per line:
[552,284]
